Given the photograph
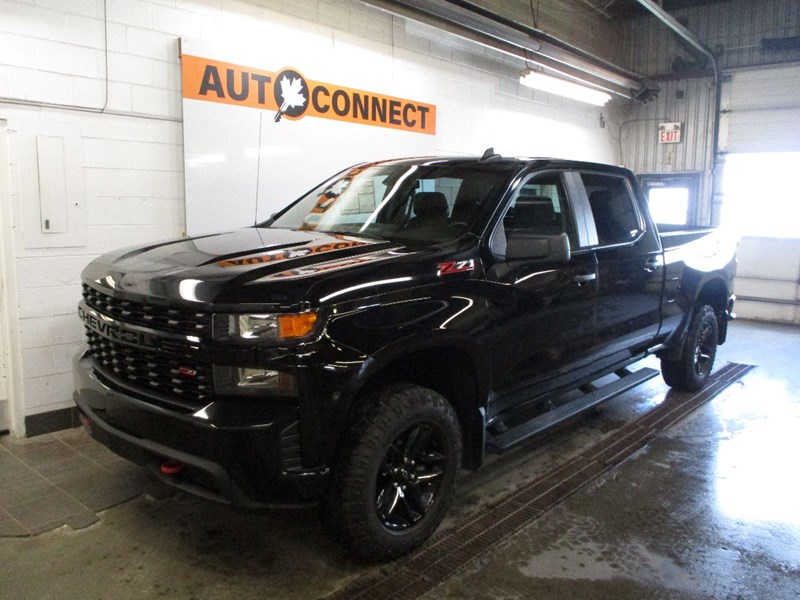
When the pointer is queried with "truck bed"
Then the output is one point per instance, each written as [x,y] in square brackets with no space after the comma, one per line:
[678,235]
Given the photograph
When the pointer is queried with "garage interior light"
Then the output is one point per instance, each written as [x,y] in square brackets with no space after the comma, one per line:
[562,87]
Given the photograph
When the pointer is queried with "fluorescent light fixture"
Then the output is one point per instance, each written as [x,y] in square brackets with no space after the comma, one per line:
[562,87]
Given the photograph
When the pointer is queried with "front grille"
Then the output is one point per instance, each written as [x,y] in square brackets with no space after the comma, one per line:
[167,371]
[155,316]
[179,379]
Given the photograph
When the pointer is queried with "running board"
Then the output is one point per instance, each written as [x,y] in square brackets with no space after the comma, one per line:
[505,440]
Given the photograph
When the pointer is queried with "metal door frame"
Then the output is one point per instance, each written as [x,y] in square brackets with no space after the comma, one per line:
[688,179]
[10,349]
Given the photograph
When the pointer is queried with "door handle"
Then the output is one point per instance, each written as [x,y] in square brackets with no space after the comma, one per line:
[652,263]
[581,279]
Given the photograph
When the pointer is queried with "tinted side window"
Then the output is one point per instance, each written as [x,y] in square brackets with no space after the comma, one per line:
[613,209]
[540,208]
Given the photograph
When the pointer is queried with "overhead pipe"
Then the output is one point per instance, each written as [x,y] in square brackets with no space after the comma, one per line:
[686,35]
[472,22]
[701,49]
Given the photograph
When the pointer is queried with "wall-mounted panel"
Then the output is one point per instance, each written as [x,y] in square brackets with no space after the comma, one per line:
[51,186]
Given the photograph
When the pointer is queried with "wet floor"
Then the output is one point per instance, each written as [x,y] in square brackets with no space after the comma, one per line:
[706,510]
[710,509]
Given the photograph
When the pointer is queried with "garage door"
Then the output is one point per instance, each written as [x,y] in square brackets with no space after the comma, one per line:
[761,119]
[761,111]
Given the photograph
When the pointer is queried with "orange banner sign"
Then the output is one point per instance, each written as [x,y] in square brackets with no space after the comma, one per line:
[293,97]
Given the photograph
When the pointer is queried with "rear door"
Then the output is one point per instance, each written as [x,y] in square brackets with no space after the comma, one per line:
[630,268]
[545,318]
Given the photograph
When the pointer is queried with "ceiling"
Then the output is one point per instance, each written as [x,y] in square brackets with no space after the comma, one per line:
[632,8]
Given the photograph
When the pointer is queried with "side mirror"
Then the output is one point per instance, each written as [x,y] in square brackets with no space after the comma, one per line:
[524,245]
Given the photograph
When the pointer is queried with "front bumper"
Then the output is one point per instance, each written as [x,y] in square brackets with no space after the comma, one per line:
[241,452]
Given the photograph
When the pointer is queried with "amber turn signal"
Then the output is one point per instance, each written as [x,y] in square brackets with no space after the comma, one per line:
[296,325]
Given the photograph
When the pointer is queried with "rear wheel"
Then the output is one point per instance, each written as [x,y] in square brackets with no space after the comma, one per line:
[396,476]
[691,370]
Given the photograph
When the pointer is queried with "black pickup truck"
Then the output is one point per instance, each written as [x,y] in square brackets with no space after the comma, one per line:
[388,328]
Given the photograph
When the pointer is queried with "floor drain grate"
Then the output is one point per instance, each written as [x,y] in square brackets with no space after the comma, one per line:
[451,550]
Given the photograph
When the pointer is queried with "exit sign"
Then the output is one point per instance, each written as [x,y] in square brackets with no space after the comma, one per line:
[669,133]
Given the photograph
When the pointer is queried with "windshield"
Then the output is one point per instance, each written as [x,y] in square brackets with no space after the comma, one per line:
[427,202]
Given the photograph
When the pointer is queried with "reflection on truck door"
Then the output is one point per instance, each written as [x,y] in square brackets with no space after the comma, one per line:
[549,324]
[630,269]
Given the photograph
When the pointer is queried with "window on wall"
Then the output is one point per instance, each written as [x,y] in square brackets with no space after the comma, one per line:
[671,197]
[760,194]
[669,205]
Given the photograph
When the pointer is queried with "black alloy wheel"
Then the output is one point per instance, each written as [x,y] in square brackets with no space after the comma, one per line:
[705,349]
[395,472]
[690,371]
[410,476]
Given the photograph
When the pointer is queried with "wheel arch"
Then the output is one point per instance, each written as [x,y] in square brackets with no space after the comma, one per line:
[450,369]
[715,293]
[712,291]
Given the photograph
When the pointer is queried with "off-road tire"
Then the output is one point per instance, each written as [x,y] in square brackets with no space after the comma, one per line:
[399,436]
[691,370]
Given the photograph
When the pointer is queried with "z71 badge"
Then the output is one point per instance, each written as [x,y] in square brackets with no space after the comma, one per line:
[459,266]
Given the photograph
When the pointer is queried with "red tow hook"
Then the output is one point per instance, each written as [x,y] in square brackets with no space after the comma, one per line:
[172,467]
[85,420]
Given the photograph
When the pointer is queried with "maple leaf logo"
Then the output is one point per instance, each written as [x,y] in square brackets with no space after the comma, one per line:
[292,97]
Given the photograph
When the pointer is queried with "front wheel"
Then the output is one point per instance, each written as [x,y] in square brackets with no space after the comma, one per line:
[691,370]
[395,476]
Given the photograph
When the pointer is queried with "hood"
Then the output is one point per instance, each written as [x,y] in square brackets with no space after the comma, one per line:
[275,267]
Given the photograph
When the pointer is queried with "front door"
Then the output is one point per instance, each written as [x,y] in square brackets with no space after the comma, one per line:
[544,324]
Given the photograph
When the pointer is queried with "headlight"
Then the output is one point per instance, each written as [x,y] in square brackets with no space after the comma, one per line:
[266,328]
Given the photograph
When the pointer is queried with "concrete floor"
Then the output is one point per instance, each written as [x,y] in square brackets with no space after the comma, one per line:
[707,510]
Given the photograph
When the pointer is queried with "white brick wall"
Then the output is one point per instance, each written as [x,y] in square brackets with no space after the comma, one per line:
[131,164]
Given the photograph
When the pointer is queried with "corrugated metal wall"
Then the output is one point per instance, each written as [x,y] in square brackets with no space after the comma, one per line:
[688,101]
[767,281]
[734,31]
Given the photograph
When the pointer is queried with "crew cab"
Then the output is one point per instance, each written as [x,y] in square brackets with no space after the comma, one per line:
[388,328]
